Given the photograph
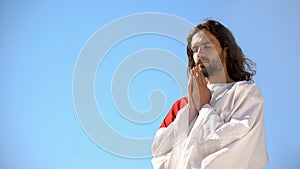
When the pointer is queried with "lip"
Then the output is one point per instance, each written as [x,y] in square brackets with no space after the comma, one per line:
[201,62]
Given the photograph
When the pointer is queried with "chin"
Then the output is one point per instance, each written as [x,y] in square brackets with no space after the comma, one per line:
[205,74]
[204,70]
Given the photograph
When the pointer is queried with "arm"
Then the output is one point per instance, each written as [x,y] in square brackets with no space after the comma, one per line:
[167,138]
[170,133]
[217,141]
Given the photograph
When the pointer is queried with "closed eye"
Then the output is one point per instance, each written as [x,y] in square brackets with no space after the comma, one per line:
[195,49]
[208,45]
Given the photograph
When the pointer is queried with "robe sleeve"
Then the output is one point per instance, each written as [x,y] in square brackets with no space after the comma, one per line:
[232,138]
[172,130]
[170,117]
[236,142]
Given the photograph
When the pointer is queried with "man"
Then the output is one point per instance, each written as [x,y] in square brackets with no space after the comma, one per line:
[220,124]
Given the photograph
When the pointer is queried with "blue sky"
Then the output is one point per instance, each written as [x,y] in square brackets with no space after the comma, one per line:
[41,42]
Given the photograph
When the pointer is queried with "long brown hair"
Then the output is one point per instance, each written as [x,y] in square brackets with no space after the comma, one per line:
[238,66]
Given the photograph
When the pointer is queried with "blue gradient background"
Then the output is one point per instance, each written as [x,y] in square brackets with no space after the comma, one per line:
[41,40]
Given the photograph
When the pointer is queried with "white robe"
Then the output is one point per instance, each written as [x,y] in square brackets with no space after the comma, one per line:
[227,134]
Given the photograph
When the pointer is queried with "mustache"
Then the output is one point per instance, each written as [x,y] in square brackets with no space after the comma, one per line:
[201,60]
[203,68]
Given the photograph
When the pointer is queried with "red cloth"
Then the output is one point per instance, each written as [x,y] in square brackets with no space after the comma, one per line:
[170,117]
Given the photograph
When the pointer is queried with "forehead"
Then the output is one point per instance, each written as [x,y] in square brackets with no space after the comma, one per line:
[203,36]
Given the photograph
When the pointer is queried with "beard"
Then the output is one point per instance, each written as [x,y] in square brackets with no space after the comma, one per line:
[204,70]
[213,66]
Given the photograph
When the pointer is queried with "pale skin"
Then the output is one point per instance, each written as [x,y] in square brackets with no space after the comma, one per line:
[208,53]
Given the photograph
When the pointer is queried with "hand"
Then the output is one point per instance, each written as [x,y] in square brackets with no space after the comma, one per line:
[198,92]
[193,95]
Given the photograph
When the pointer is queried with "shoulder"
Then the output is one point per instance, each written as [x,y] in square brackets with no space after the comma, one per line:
[247,89]
[170,117]
[246,85]
[181,102]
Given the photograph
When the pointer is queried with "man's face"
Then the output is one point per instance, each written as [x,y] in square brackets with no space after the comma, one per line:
[207,52]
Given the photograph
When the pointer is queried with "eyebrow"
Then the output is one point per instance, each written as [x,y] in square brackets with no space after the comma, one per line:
[202,43]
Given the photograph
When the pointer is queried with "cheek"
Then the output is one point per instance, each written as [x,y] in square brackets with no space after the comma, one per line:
[213,54]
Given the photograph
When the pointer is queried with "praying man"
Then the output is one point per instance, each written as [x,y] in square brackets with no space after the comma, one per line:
[220,124]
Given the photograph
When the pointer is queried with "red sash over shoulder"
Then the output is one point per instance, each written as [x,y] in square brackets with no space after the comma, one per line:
[170,117]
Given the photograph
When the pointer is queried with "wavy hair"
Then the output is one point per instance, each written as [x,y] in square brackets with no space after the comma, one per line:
[238,66]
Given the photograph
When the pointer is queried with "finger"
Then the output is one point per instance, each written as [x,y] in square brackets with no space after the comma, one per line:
[192,83]
[202,77]
[195,84]
[190,91]
[201,74]
[197,73]
[201,81]
[196,69]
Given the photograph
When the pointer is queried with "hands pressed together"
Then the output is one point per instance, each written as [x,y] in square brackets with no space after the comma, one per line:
[198,93]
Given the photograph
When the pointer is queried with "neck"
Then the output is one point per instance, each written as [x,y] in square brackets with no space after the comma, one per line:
[219,77]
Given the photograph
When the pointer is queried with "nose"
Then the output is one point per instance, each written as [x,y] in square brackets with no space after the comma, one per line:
[199,53]
[198,50]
